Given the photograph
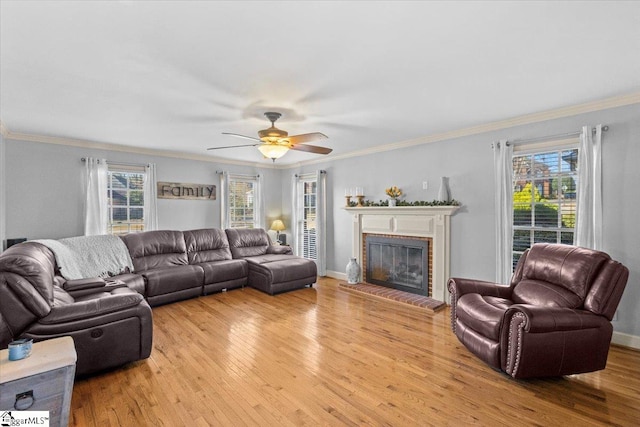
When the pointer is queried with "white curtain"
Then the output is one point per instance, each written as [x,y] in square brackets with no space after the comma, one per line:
[503,184]
[589,200]
[96,173]
[321,222]
[258,219]
[150,198]
[224,203]
[295,225]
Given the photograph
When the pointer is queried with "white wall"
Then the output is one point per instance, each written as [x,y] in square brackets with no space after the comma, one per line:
[468,162]
[45,198]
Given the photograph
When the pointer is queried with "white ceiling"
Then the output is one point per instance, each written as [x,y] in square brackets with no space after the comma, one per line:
[174,75]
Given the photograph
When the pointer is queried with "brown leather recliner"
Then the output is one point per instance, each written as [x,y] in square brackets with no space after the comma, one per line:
[110,324]
[553,319]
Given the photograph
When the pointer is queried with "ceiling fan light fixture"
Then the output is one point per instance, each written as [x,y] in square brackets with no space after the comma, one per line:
[274,143]
[273,151]
[273,134]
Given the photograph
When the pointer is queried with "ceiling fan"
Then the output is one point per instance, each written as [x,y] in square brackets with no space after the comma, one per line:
[275,143]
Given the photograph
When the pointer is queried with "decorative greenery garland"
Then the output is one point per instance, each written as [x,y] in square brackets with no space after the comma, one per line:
[369,203]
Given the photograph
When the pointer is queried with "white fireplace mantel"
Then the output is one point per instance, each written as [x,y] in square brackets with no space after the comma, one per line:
[417,221]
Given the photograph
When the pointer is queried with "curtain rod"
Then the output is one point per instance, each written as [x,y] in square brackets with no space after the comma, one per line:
[84,159]
[551,137]
[322,171]
[239,174]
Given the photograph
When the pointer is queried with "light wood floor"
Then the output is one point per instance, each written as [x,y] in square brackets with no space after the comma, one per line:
[325,356]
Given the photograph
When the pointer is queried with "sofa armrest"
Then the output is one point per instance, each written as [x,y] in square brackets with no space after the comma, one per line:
[279,250]
[92,307]
[82,284]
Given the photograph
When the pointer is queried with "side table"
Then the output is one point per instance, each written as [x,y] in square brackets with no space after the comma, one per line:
[42,381]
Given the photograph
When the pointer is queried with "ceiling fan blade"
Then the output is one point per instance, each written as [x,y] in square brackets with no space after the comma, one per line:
[232,146]
[306,137]
[237,135]
[311,149]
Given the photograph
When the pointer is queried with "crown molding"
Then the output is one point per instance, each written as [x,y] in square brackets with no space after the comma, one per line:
[45,139]
[588,107]
[574,110]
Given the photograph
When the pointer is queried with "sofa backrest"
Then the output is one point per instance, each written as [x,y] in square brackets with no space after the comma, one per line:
[246,242]
[27,275]
[152,250]
[557,275]
[36,264]
[206,245]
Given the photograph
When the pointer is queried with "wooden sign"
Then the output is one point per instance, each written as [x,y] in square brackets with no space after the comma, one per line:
[181,190]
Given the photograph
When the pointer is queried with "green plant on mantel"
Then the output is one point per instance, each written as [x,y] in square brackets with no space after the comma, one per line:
[370,203]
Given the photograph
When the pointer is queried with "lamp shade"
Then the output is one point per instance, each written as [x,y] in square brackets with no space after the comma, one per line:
[277,225]
[273,151]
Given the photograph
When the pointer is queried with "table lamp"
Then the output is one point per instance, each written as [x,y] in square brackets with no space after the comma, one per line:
[277,226]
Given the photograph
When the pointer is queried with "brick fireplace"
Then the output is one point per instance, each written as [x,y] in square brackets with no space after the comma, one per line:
[408,271]
[429,223]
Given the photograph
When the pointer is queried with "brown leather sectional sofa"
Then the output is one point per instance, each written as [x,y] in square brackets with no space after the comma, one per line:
[111,321]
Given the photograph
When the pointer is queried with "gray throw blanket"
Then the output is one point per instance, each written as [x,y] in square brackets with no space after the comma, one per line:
[90,256]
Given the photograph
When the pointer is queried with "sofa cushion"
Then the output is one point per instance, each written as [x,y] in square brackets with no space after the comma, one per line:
[224,271]
[173,279]
[207,245]
[246,242]
[151,250]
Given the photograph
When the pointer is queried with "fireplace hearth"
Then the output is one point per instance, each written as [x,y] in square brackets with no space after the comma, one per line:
[398,262]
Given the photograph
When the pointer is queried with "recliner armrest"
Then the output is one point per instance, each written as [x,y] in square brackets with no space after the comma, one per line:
[540,319]
[460,286]
[92,307]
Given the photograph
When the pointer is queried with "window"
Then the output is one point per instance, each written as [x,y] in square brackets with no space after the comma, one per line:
[125,203]
[241,202]
[309,217]
[544,198]
[308,235]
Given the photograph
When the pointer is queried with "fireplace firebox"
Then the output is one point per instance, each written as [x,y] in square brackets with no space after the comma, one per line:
[398,263]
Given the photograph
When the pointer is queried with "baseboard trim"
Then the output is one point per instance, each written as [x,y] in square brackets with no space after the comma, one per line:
[336,275]
[626,340]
